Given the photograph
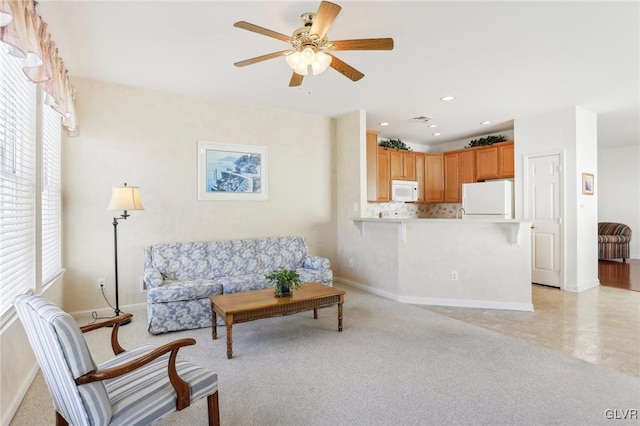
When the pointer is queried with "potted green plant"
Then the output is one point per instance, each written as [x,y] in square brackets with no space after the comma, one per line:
[284,280]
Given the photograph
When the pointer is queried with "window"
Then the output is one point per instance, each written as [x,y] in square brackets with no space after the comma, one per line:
[50,189]
[30,186]
[17,181]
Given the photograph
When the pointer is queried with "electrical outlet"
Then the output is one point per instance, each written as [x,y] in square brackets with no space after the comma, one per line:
[454,275]
[101,283]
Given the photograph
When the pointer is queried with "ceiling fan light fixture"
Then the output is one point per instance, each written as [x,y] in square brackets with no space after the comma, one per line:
[308,55]
[321,63]
[293,60]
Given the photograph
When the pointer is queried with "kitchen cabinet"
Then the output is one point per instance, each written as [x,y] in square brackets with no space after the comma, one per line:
[421,177]
[433,178]
[495,161]
[402,165]
[459,168]
[378,171]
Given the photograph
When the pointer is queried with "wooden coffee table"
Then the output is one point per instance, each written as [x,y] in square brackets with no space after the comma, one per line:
[251,305]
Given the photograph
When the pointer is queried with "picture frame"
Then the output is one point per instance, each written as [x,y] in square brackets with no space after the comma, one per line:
[232,172]
[588,182]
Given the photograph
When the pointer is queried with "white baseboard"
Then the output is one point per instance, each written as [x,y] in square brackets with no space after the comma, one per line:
[460,303]
[466,303]
[25,384]
[368,289]
[107,311]
[582,288]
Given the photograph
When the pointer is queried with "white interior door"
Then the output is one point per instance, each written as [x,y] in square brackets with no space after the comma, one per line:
[544,210]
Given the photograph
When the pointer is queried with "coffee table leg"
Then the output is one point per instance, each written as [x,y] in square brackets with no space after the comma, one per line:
[229,339]
[315,313]
[340,316]
[214,323]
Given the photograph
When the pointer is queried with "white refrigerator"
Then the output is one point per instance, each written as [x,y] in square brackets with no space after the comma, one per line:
[488,200]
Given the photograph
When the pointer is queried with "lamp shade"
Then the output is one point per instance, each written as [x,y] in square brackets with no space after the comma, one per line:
[125,198]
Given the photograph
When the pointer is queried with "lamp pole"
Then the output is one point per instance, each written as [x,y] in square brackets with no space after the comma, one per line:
[115,256]
[122,198]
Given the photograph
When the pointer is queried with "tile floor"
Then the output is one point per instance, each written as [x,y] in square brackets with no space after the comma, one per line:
[600,325]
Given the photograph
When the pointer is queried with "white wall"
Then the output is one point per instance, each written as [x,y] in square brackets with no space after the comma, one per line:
[148,138]
[572,132]
[618,184]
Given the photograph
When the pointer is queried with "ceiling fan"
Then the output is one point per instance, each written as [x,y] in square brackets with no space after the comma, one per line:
[310,47]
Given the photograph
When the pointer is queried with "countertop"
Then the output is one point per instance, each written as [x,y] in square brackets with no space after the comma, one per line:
[434,220]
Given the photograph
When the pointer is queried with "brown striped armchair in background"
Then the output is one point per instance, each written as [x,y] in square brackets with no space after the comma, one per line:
[613,240]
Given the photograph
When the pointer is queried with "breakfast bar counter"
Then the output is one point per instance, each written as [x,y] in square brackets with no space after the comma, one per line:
[451,262]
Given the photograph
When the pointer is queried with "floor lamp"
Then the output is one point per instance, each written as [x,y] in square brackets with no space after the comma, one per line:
[122,198]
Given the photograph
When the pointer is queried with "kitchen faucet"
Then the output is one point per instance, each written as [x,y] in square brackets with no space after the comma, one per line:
[458,212]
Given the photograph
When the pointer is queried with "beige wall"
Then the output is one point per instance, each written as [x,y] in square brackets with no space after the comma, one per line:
[148,138]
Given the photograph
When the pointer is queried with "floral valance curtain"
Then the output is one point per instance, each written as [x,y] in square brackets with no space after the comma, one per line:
[26,36]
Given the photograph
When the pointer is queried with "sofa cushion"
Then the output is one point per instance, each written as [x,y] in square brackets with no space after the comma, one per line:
[182,261]
[243,283]
[234,258]
[175,291]
[281,252]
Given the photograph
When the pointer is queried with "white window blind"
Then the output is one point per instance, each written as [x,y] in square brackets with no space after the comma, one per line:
[51,207]
[17,181]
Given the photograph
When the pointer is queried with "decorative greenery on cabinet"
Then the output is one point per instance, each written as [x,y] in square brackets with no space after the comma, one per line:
[394,144]
[489,140]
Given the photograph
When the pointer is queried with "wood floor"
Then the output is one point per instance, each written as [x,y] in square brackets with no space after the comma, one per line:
[600,325]
[615,273]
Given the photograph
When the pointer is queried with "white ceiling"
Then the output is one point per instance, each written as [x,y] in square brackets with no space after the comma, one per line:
[501,60]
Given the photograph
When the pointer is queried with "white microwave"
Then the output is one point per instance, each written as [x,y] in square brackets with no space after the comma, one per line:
[404,190]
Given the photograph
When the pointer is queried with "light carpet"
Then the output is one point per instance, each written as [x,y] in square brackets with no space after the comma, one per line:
[394,364]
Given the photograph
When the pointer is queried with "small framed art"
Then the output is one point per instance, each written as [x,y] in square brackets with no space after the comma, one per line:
[587,183]
[232,172]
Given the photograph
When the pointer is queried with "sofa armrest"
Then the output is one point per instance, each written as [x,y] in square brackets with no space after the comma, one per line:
[152,278]
[316,262]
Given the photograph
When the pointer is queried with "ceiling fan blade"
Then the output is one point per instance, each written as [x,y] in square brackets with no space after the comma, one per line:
[296,80]
[364,44]
[325,16]
[345,69]
[256,29]
[261,58]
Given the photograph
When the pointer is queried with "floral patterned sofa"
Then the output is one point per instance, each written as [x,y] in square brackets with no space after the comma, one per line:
[180,277]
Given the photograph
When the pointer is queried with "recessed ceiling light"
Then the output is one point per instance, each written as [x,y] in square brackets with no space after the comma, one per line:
[486,122]
[447,98]
[384,123]
[433,125]
[437,134]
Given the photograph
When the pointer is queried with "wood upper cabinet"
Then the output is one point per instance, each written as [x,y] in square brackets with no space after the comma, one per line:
[420,176]
[433,178]
[403,165]
[384,177]
[495,161]
[378,171]
[459,168]
[451,178]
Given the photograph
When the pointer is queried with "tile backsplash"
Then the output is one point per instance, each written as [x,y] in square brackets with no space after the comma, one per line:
[413,210]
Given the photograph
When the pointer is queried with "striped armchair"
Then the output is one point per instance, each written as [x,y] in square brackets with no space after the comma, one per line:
[613,240]
[136,387]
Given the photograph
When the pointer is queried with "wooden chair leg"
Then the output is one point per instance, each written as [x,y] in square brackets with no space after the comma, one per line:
[60,421]
[214,409]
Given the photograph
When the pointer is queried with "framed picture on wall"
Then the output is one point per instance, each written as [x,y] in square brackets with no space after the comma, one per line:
[228,172]
[587,183]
